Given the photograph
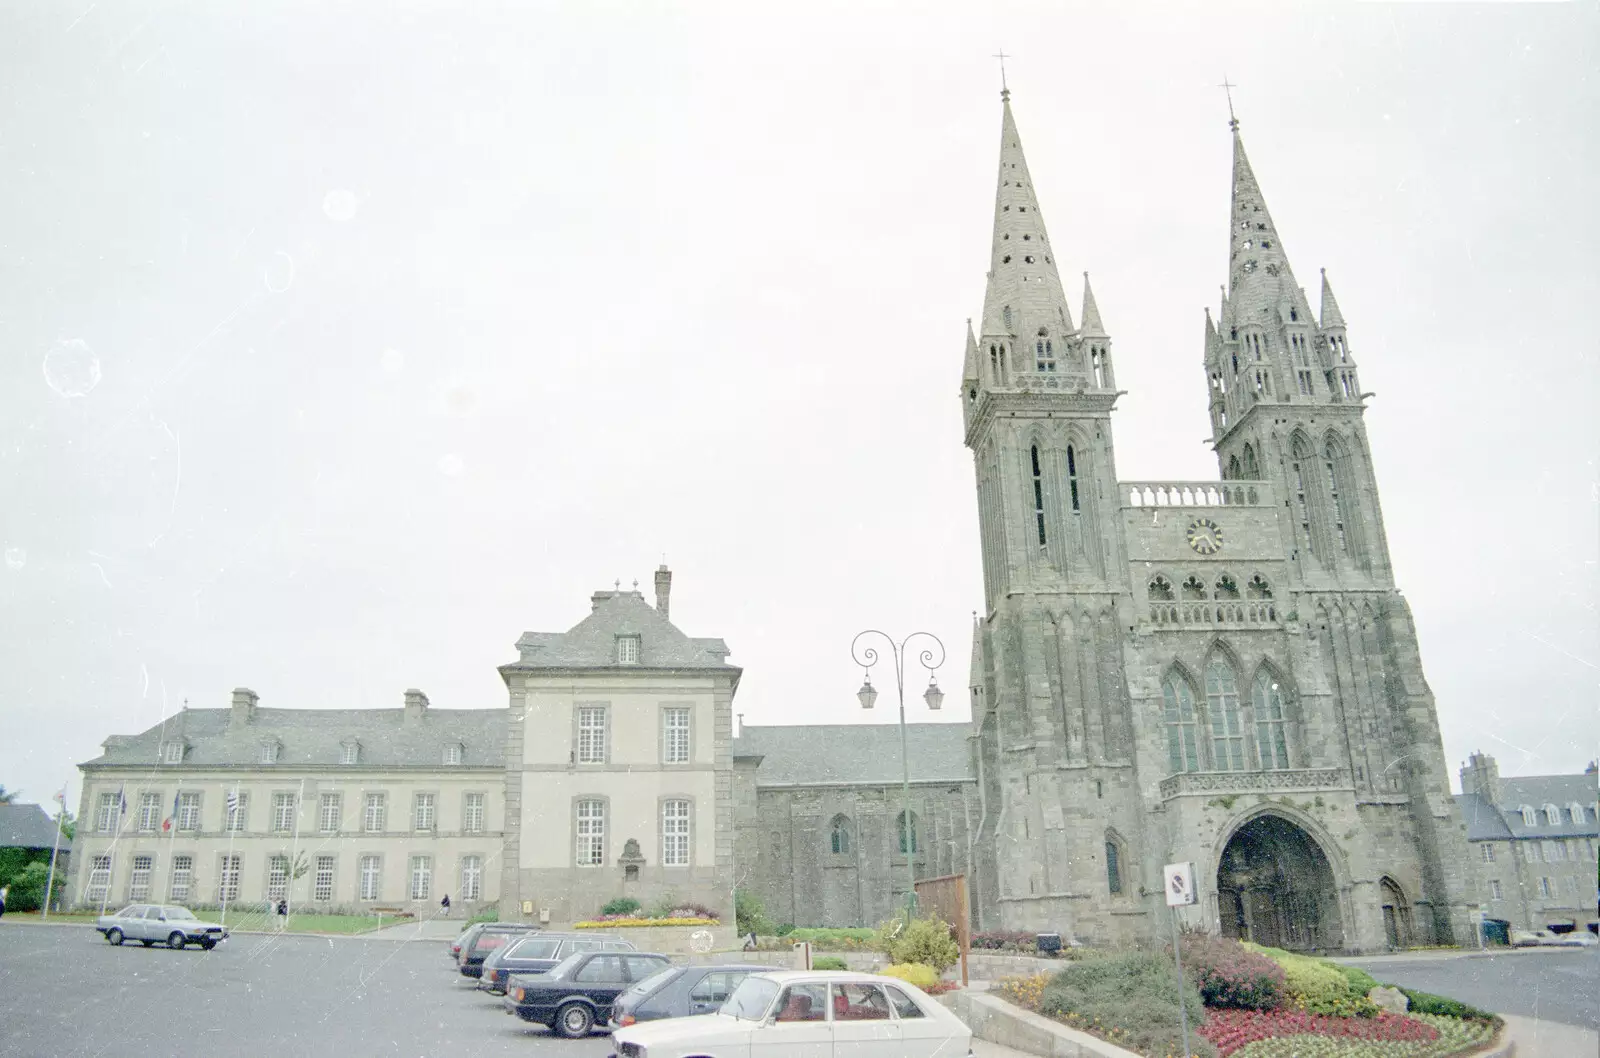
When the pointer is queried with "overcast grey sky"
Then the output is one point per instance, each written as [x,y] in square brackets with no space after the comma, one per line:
[415,326]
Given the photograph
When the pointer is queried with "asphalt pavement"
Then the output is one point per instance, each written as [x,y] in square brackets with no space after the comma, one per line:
[1550,984]
[66,993]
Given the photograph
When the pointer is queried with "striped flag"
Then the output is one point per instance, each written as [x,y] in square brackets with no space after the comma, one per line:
[233,799]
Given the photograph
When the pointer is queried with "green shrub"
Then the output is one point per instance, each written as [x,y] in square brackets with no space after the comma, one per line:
[1428,1003]
[622,905]
[925,940]
[27,887]
[1318,986]
[784,929]
[918,974]
[1130,999]
[829,962]
[749,914]
[1360,981]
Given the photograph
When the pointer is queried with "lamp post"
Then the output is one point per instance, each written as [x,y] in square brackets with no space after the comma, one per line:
[866,657]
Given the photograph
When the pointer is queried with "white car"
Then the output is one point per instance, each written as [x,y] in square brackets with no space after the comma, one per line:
[160,924]
[805,1014]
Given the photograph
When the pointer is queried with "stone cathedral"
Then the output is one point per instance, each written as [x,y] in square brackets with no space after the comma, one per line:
[1219,672]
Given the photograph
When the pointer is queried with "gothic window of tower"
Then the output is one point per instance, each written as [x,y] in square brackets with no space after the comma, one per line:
[1039,513]
[1301,468]
[1183,753]
[1044,352]
[1343,498]
[1232,473]
[1272,726]
[1226,721]
[1072,477]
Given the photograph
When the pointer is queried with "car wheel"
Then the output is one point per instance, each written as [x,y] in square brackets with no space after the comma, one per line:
[114,935]
[574,1021]
[175,940]
[147,943]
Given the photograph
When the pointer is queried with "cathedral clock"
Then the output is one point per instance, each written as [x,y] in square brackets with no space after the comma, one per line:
[1205,536]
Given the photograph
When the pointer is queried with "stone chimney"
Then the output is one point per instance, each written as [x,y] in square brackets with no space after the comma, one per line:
[416,706]
[244,707]
[1481,775]
[663,591]
[599,597]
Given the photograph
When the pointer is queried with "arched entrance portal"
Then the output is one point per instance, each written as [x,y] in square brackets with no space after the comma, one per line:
[1396,913]
[1275,887]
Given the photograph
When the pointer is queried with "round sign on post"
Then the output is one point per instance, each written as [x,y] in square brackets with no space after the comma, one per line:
[700,941]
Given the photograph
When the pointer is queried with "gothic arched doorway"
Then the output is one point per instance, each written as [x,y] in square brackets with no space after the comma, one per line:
[1396,913]
[1276,888]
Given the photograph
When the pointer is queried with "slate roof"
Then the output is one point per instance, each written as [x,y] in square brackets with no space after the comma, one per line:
[1503,822]
[26,827]
[592,642]
[863,754]
[311,737]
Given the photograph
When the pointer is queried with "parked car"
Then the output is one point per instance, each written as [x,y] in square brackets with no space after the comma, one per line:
[797,1012]
[1578,938]
[478,927]
[160,923]
[678,992]
[537,954]
[577,994]
[493,935]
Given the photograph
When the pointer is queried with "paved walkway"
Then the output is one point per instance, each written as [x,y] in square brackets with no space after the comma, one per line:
[1546,1039]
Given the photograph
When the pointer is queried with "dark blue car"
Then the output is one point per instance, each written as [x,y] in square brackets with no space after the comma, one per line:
[679,992]
[538,953]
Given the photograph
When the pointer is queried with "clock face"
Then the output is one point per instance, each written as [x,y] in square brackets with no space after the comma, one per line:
[1205,536]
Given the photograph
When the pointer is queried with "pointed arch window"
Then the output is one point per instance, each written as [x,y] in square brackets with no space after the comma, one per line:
[906,824]
[1072,477]
[1113,867]
[1296,469]
[1160,589]
[1330,456]
[1038,496]
[1251,469]
[1044,356]
[1272,739]
[1226,587]
[1233,472]
[1222,707]
[839,835]
[1193,590]
[1183,753]
[1097,361]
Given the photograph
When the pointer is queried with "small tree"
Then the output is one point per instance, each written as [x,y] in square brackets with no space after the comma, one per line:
[751,916]
[925,940]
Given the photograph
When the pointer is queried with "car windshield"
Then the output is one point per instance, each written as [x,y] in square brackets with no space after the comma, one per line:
[655,980]
[532,948]
[751,999]
[564,967]
[182,914]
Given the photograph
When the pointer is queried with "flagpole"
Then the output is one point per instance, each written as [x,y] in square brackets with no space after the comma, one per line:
[228,817]
[50,881]
[172,849]
[294,851]
[116,836]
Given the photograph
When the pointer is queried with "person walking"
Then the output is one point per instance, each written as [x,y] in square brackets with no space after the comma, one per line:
[444,906]
[283,914]
[5,891]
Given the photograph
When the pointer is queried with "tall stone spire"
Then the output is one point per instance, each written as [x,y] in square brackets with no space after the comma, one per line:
[1259,278]
[969,368]
[1092,327]
[1024,291]
[1331,316]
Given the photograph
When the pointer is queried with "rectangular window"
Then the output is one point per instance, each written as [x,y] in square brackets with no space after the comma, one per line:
[424,811]
[592,734]
[350,753]
[238,810]
[228,878]
[189,810]
[149,812]
[421,877]
[1487,851]
[371,867]
[1554,852]
[675,737]
[675,833]
[277,877]
[472,814]
[99,887]
[1544,887]
[1494,889]
[329,811]
[471,877]
[105,816]
[1530,851]
[282,813]
[322,887]
[269,753]
[591,833]
[627,650]
[174,753]
[139,877]
[452,753]
[376,814]
[182,878]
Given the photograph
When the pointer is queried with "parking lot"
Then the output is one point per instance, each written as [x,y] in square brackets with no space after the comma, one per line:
[65,991]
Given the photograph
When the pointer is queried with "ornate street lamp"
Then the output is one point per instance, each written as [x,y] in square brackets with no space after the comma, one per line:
[866,657]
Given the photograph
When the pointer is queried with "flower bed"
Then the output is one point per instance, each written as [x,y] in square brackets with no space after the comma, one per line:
[1454,1036]
[1232,1030]
[629,922]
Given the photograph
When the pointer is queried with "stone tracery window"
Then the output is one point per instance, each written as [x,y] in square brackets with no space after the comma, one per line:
[839,834]
[1160,589]
[1272,739]
[1072,477]
[907,829]
[1227,587]
[1193,589]
[1258,588]
[1038,495]
[1182,748]
[1222,708]
[1113,866]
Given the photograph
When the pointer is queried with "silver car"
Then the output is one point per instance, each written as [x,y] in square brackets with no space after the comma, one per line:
[160,923]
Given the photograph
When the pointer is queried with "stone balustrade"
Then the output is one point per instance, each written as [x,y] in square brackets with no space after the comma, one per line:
[1207,782]
[1195,493]
[1253,613]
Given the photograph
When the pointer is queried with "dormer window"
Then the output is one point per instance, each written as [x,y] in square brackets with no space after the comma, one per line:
[349,752]
[452,753]
[269,752]
[627,650]
[172,753]
[1529,816]
[1552,814]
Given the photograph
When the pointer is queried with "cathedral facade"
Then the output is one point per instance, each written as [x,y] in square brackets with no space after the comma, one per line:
[1221,672]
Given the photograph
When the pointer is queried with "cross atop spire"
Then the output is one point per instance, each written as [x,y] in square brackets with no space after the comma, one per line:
[1228,87]
[1005,91]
